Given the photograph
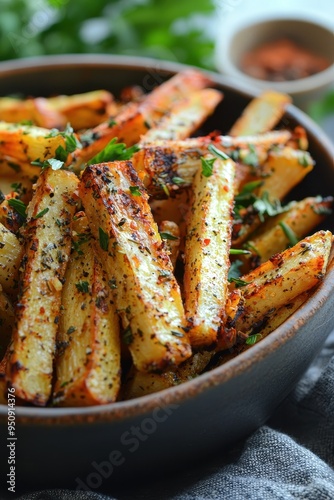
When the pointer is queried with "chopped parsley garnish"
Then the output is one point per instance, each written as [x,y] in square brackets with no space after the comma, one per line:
[207,166]
[239,251]
[304,160]
[217,152]
[103,239]
[289,233]
[178,181]
[135,190]
[251,157]
[322,209]
[263,206]
[252,339]
[51,162]
[165,189]
[238,282]
[18,206]
[71,330]
[234,271]
[80,239]
[168,236]
[114,151]
[111,123]
[82,286]
[41,213]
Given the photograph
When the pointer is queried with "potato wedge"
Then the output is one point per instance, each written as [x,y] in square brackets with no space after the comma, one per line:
[261,114]
[26,143]
[88,364]
[46,250]
[282,278]
[301,218]
[167,166]
[207,248]
[284,169]
[139,384]
[10,258]
[185,117]
[147,294]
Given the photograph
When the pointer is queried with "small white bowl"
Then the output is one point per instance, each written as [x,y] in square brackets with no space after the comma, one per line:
[246,29]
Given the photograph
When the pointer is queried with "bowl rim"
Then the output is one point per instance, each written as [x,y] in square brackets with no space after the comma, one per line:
[225,64]
[243,362]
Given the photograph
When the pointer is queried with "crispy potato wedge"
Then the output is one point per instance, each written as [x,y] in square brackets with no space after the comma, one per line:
[207,248]
[46,250]
[166,166]
[10,258]
[26,143]
[81,110]
[185,117]
[284,169]
[261,114]
[85,110]
[139,384]
[88,364]
[281,279]
[301,218]
[176,88]
[271,321]
[147,294]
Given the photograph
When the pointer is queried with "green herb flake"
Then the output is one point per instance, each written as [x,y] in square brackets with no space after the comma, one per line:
[103,239]
[165,189]
[135,190]
[82,286]
[112,283]
[218,152]
[234,271]
[71,330]
[252,339]
[178,181]
[239,251]
[168,236]
[114,151]
[304,160]
[207,166]
[238,282]
[112,123]
[41,213]
[18,206]
[251,157]
[289,233]
[177,334]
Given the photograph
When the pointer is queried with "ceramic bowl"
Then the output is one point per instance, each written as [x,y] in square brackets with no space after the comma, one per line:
[91,448]
[253,25]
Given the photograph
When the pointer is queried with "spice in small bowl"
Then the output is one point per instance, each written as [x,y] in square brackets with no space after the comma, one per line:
[282,60]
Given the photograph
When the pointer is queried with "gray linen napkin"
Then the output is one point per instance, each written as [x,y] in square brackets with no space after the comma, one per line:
[290,458]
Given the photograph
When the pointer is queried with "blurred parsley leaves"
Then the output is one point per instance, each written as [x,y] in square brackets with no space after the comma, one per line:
[166,29]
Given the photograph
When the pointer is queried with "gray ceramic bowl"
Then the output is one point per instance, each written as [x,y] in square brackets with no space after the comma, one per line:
[93,447]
